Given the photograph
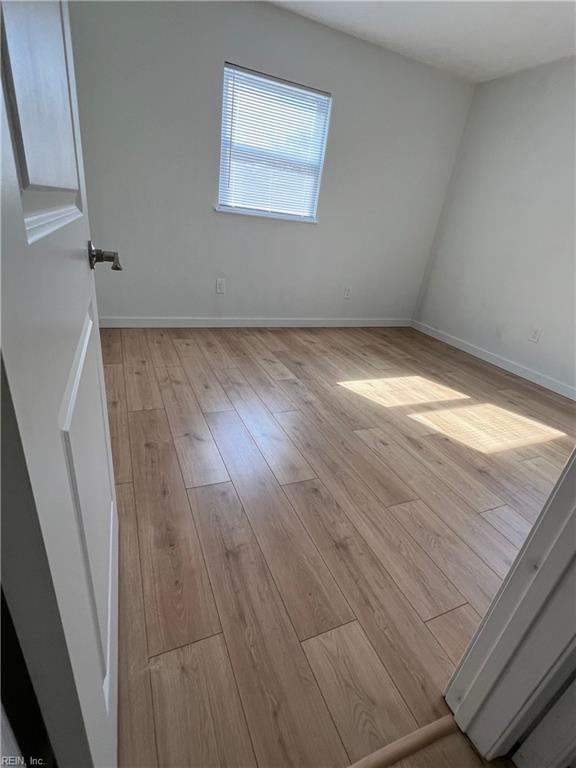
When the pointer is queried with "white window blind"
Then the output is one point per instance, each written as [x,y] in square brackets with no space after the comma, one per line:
[273,143]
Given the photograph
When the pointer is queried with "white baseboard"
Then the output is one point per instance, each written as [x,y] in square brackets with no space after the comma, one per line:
[561,387]
[253,322]
[548,382]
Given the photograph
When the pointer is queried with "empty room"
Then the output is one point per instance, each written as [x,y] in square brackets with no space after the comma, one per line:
[288,383]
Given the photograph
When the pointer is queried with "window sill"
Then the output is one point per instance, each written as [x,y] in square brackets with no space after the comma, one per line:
[265,214]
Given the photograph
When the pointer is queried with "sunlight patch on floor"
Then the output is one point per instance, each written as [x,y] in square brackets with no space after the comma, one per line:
[402,390]
[487,428]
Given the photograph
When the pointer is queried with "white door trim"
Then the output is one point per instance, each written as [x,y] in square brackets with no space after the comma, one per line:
[553,741]
[527,640]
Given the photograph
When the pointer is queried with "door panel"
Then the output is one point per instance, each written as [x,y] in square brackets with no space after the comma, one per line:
[84,433]
[40,97]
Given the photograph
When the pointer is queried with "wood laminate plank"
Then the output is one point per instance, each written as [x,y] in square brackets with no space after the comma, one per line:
[487,383]
[258,351]
[487,428]
[303,364]
[411,654]
[111,342]
[318,394]
[199,718]
[204,382]
[272,339]
[382,481]
[455,629]
[312,597]
[136,738]
[461,565]
[546,473]
[516,423]
[135,346]
[284,458]
[373,413]
[404,388]
[352,335]
[333,358]
[339,341]
[366,706]
[314,336]
[335,367]
[506,478]
[510,524]
[286,714]
[476,387]
[546,407]
[213,349]
[231,340]
[118,421]
[179,332]
[421,581]
[382,355]
[555,452]
[473,529]
[182,407]
[426,361]
[185,342]
[455,476]
[142,391]
[162,350]
[349,405]
[305,340]
[177,595]
[361,348]
[266,388]
[396,339]
[199,458]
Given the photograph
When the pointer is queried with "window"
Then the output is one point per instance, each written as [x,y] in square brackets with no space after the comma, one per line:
[273,142]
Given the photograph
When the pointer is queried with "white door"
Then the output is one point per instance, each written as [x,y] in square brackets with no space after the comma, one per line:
[52,353]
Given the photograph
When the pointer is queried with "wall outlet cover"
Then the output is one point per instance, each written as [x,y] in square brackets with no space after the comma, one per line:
[220,285]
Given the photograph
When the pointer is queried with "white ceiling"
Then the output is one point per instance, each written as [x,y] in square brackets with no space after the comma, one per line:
[476,40]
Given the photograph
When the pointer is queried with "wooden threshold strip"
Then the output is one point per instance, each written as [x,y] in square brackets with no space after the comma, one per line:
[409,744]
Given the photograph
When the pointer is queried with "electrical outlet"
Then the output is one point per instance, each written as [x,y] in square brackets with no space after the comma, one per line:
[534,335]
[347,293]
[220,285]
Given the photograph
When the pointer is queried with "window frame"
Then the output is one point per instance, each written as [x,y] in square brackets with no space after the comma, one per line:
[226,147]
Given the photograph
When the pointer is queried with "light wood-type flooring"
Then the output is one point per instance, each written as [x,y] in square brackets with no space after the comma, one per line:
[312,524]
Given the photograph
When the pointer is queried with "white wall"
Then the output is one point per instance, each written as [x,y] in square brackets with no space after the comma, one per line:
[150,82]
[503,261]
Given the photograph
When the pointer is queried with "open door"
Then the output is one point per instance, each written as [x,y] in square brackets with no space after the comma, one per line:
[52,357]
